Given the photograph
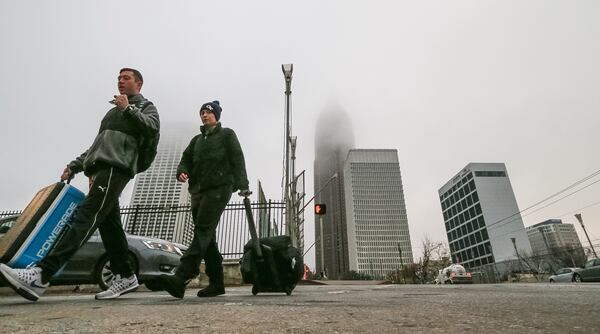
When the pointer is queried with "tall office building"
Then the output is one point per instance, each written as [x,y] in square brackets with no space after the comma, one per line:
[333,139]
[552,234]
[375,212]
[161,194]
[481,216]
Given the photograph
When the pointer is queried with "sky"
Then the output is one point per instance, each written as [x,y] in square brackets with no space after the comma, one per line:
[443,82]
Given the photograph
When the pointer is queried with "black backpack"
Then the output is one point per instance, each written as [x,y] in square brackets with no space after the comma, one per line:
[147,146]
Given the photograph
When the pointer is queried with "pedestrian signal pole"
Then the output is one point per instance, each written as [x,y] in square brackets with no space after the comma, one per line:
[320,210]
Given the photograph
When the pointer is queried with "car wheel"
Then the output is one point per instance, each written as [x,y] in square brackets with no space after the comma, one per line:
[576,278]
[552,280]
[104,276]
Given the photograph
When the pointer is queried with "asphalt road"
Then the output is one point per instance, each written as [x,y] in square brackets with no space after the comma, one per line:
[491,308]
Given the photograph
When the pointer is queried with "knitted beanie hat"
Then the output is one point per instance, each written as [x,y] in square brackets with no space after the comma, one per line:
[213,107]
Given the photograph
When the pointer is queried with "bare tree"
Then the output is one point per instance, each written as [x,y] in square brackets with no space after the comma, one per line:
[425,258]
[568,255]
[435,256]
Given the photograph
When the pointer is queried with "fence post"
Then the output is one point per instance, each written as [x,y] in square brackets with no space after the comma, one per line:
[135,215]
[269,220]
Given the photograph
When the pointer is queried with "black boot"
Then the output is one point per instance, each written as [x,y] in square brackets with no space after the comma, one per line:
[174,285]
[216,286]
[211,291]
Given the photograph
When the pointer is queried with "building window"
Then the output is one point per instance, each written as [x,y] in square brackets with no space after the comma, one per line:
[490,174]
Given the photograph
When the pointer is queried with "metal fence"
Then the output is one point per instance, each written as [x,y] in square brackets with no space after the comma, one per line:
[174,223]
[9,213]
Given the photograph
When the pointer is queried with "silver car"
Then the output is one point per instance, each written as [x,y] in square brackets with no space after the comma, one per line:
[149,257]
[566,275]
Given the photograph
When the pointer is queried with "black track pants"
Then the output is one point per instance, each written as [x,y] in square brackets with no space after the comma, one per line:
[207,208]
[99,210]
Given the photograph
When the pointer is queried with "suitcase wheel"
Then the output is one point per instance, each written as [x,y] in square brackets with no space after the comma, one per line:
[288,291]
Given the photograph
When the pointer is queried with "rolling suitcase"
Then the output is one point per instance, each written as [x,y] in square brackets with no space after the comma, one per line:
[271,264]
[43,222]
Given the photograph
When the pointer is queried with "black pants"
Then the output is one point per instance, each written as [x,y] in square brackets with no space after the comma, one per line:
[100,209]
[207,208]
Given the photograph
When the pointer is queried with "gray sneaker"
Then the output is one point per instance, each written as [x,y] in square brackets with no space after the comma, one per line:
[120,286]
[26,282]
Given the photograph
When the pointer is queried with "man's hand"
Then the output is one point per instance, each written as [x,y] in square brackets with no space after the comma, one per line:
[183,177]
[66,174]
[121,101]
[245,193]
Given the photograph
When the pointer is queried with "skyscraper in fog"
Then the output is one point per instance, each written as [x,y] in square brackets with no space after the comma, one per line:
[158,190]
[482,217]
[333,139]
[377,225]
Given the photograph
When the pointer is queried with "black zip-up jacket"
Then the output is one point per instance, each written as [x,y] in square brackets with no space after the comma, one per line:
[117,142]
[214,158]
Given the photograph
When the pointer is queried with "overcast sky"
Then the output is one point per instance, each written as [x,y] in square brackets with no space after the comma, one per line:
[443,82]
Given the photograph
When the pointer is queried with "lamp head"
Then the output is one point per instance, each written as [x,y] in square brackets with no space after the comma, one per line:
[287,71]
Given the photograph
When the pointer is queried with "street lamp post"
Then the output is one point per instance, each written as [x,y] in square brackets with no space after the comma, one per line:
[287,74]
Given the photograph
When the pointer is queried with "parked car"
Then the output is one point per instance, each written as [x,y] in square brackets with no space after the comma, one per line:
[6,223]
[590,271]
[454,274]
[150,258]
[566,275]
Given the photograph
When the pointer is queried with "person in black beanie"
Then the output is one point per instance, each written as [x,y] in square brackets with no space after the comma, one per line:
[213,165]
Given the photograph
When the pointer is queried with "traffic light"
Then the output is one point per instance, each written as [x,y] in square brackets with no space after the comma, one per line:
[320,209]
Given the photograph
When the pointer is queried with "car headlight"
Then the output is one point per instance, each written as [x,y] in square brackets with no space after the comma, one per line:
[163,246]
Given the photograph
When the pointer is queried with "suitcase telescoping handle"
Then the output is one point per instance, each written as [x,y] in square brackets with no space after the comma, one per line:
[68,180]
[252,226]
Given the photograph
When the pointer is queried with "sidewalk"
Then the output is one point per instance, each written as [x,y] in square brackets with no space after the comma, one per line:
[340,282]
[194,284]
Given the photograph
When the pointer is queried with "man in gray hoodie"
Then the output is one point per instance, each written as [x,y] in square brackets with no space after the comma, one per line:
[111,161]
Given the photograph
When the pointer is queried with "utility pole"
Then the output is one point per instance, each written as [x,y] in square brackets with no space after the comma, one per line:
[578,216]
[514,242]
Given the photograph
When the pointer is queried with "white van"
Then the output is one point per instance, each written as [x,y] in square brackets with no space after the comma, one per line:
[453,274]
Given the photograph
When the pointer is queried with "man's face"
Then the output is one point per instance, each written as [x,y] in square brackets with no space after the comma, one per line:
[127,84]
[208,118]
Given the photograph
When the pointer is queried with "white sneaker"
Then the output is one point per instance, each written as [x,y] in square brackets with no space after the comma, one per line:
[26,282]
[120,286]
